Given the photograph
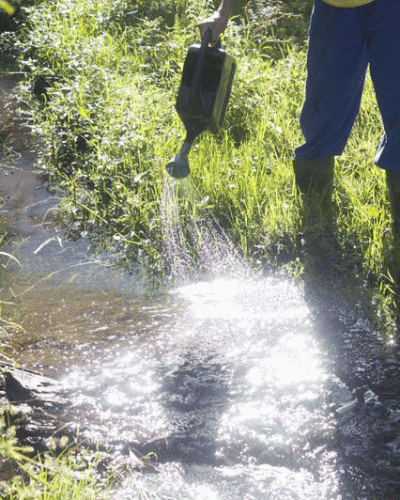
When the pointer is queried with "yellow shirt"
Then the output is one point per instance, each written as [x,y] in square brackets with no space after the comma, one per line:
[349,3]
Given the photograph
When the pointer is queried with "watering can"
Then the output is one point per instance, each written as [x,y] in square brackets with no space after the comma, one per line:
[202,97]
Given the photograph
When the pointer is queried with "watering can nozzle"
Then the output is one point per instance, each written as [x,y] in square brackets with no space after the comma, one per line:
[178,167]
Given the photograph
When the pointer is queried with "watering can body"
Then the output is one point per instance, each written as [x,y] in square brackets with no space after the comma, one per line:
[206,99]
[202,98]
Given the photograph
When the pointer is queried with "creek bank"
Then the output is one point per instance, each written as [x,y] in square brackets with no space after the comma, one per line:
[44,413]
[33,404]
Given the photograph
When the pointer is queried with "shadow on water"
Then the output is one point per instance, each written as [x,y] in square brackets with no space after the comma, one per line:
[240,387]
[195,396]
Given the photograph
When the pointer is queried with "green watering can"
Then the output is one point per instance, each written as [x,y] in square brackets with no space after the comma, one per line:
[203,96]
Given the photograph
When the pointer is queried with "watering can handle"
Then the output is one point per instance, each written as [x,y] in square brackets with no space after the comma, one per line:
[200,63]
[206,38]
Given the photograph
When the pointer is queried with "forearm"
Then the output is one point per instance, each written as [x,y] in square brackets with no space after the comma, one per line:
[218,21]
[226,7]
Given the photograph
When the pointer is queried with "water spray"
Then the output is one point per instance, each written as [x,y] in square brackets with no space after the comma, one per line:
[203,96]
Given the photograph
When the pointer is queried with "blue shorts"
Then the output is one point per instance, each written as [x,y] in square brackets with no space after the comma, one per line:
[342,42]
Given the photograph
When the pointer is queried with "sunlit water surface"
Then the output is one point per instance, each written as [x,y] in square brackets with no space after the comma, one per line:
[224,380]
[230,378]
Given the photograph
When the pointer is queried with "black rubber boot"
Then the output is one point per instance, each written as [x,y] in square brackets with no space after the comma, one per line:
[315,176]
[314,179]
[393,185]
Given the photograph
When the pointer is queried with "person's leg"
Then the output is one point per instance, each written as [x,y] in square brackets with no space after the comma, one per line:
[336,67]
[384,55]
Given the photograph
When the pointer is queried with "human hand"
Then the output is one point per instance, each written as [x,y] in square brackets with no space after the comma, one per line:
[216,23]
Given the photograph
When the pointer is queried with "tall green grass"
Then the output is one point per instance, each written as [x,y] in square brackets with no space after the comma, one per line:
[102,83]
[109,122]
[48,477]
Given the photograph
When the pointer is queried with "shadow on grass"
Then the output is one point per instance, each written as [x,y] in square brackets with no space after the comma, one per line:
[332,274]
[391,282]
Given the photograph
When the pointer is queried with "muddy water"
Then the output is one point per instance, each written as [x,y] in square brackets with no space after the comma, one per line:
[243,388]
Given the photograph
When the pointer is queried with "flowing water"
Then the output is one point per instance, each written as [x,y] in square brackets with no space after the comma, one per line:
[240,390]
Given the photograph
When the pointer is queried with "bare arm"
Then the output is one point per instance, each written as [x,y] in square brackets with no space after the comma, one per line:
[218,21]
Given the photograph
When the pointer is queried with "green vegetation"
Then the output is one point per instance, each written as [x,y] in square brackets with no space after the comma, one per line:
[6,7]
[48,477]
[101,83]
[106,74]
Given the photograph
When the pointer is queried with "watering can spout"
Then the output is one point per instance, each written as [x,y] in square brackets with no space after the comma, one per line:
[178,167]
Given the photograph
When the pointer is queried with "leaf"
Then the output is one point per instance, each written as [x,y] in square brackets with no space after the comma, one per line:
[373,212]
[83,112]
[7,7]
[49,240]
[5,254]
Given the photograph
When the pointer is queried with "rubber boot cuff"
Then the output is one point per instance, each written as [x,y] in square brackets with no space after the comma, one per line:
[315,176]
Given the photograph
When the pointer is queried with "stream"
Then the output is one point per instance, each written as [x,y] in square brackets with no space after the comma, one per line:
[242,388]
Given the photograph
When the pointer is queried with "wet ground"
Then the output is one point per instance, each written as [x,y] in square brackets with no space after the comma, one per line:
[237,388]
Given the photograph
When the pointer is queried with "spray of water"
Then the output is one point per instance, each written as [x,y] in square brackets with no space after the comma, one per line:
[194,241]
